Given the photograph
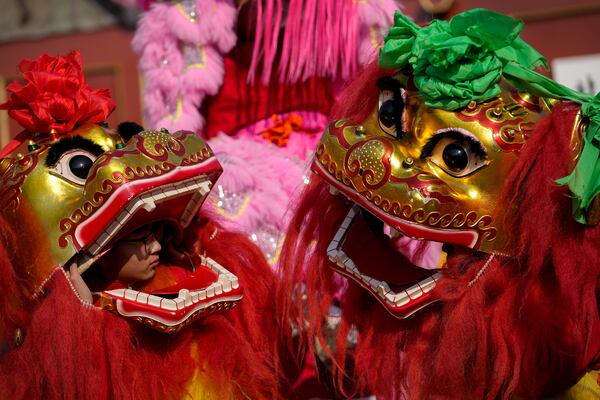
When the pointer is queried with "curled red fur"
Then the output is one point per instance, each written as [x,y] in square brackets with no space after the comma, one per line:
[526,326]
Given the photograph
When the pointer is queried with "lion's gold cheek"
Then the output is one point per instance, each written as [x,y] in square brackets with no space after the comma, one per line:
[368,160]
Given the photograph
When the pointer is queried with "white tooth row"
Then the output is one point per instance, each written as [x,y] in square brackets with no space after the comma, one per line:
[381,288]
[335,246]
[225,284]
[201,187]
[224,276]
[413,292]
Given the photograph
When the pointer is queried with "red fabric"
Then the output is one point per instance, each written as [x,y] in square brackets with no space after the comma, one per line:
[240,104]
[528,327]
[56,95]
[75,352]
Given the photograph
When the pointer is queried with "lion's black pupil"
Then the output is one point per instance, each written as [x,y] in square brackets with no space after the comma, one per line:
[455,157]
[387,115]
[80,166]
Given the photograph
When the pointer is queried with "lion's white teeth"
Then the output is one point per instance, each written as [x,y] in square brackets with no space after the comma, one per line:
[179,303]
[199,186]
[131,294]
[401,299]
[414,292]
[427,284]
[210,292]
[225,283]
[186,296]
[381,289]
[218,288]
[142,298]
[234,282]
[227,286]
[154,301]
[168,304]
[117,292]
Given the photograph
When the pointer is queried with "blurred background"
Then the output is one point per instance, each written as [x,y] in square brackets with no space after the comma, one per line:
[566,33]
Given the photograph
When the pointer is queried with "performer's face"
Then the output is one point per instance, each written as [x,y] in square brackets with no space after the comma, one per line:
[134,258]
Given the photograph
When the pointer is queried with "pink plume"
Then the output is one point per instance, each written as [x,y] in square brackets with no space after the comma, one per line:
[188,119]
[261,175]
[204,80]
[218,23]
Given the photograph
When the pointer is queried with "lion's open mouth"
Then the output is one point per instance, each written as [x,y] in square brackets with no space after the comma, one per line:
[209,289]
[178,294]
[359,252]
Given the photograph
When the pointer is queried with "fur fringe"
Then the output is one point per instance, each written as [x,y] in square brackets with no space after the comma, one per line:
[261,174]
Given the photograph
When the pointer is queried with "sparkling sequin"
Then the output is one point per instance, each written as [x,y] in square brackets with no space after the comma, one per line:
[269,240]
[229,204]
[188,8]
[194,55]
[232,206]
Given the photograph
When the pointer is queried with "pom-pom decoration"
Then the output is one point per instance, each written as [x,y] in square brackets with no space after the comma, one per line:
[55,96]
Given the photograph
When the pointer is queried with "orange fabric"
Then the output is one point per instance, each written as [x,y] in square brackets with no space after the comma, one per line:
[279,133]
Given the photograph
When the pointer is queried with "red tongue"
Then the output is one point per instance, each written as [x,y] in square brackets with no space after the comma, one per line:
[374,258]
[170,279]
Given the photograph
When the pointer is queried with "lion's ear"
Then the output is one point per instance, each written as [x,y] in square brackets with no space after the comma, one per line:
[128,129]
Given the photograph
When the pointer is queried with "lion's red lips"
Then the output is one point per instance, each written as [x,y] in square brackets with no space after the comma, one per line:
[172,309]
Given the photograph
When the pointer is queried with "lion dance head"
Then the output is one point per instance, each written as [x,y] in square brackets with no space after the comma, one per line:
[74,193]
[453,138]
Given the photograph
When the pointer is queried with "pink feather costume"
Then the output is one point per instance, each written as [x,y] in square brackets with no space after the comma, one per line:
[182,47]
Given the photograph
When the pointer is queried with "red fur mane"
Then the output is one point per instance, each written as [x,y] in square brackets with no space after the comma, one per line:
[528,326]
[72,351]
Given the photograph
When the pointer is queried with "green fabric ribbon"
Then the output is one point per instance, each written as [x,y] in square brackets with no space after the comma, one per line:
[584,180]
[455,62]
[458,61]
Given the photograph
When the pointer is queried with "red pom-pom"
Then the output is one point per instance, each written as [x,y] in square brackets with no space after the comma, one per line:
[55,95]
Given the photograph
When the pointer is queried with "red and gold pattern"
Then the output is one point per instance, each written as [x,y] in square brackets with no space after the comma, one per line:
[506,121]
[401,176]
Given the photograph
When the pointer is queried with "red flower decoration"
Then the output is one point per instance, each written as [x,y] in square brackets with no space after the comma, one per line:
[56,95]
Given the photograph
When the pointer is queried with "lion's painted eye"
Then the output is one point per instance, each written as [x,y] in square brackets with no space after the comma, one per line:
[74,165]
[458,154]
[391,108]
[387,114]
[456,157]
